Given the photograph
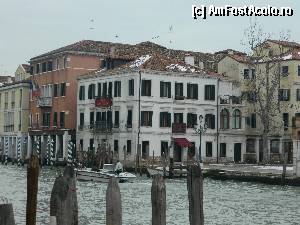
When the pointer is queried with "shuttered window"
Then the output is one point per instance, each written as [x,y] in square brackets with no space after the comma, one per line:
[209,92]
[165,119]
[210,121]
[192,91]
[146,118]
[165,89]
[146,87]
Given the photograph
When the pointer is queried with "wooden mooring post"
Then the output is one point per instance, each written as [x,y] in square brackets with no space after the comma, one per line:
[6,212]
[158,199]
[113,203]
[195,195]
[63,201]
[32,189]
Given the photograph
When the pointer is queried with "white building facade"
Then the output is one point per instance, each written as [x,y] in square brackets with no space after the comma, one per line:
[158,110]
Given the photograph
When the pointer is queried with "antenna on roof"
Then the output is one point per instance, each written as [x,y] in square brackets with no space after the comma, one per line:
[170,41]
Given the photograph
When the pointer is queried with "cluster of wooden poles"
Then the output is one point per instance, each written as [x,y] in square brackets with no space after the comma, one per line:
[64,205]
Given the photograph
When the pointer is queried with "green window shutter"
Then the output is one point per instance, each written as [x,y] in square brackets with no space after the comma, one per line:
[161,89]
[169,89]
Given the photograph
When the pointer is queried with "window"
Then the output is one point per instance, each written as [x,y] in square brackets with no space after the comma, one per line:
[298,95]
[82,93]
[63,89]
[165,89]
[110,89]
[57,63]
[284,94]
[209,92]
[236,119]
[55,90]
[13,98]
[250,145]
[91,147]
[117,89]
[192,91]
[146,118]
[62,119]
[117,119]
[91,91]
[249,74]
[164,148]
[178,117]
[116,146]
[131,87]
[191,120]
[38,68]
[145,149]
[285,118]
[46,119]
[210,121]
[21,98]
[165,119]
[246,73]
[44,67]
[298,70]
[146,87]
[49,66]
[92,118]
[65,62]
[178,91]
[224,119]
[274,146]
[104,91]
[251,121]
[5,100]
[284,71]
[222,149]
[55,119]
[99,90]
[129,118]
[81,120]
[98,117]
[128,146]
[208,149]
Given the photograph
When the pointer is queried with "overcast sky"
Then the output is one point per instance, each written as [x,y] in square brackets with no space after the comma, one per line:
[32,27]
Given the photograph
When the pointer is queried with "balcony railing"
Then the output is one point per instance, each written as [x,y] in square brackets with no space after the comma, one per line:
[101,127]
[8,128]
[44,102]
[179,97]
[179,128]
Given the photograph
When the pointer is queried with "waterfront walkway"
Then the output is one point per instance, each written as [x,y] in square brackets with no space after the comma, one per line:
[250,168]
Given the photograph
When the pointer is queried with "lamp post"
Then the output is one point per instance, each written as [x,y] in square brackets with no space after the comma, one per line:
[201,129]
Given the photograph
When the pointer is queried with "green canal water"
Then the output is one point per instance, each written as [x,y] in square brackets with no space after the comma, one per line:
[225,202]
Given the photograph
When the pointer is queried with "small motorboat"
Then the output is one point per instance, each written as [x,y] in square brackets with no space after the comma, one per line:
[103,175]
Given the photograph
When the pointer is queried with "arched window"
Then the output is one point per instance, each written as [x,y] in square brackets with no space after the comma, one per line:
[224,119]
[236,119]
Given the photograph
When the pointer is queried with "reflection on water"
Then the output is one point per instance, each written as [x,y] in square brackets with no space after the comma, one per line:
[226,203]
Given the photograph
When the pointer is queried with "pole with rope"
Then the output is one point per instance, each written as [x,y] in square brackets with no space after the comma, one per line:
[19,150]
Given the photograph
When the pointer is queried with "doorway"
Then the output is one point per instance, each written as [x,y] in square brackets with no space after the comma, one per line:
[237,152]
[177,153]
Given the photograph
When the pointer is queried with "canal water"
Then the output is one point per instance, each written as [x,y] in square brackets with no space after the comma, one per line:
[225,202]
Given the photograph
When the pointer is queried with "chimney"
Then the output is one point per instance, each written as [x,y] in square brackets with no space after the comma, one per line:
[201,65]
[190,60]
[112,51]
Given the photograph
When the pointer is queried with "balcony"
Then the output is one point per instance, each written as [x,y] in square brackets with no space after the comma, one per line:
[44,102]
[178,128]
[224,101]
[178,97]
[101,127]
[9,128]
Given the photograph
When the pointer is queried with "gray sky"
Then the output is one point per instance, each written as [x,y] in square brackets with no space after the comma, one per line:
[32,27]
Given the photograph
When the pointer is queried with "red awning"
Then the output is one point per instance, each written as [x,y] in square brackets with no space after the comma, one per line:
[183,142]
